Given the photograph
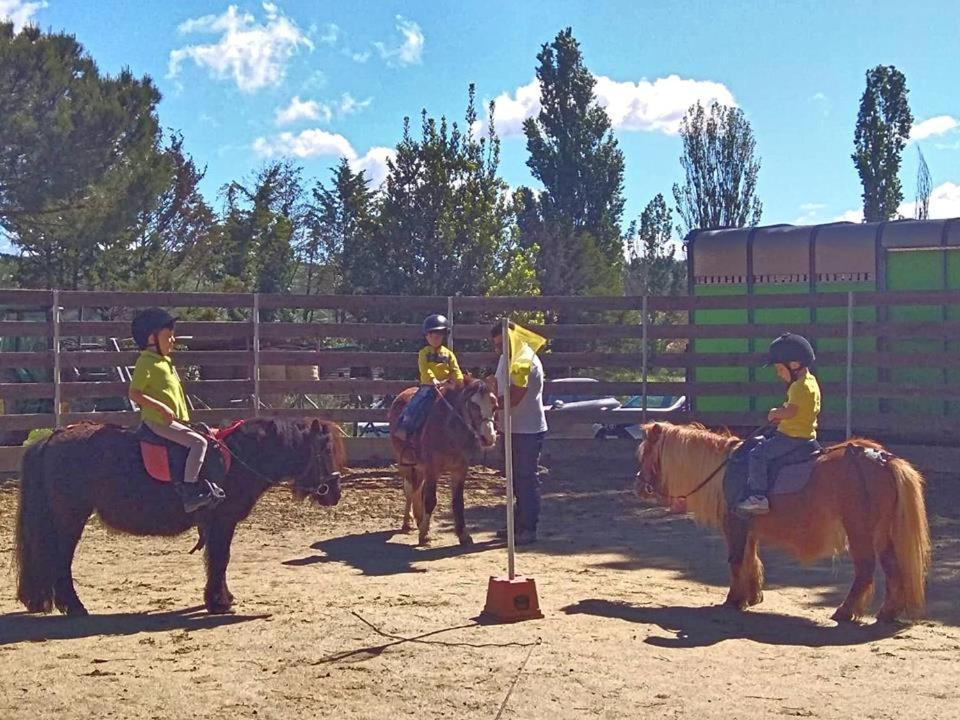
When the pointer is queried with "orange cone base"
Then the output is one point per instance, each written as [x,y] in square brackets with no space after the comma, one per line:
[512,600]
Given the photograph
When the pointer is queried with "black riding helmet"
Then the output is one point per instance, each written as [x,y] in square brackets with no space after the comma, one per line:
[789,348]
[149,321]
[436,322]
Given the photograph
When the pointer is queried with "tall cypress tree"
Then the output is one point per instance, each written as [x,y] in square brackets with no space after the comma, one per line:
[575,220]
[883,128]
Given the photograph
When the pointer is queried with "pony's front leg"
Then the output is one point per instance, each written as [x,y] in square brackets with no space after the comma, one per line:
[457,480]
[746,570]
[217,597]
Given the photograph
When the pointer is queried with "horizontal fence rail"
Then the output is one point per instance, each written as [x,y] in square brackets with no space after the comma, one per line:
[655,346]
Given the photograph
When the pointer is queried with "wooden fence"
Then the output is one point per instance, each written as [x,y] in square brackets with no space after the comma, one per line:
[650,339]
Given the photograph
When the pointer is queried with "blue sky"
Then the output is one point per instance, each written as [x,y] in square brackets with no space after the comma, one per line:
[314,80]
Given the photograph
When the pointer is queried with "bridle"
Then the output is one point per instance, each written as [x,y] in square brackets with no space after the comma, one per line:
[467,400]
[294,483]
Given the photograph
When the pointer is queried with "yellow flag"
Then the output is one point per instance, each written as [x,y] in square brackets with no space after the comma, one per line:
[523,345]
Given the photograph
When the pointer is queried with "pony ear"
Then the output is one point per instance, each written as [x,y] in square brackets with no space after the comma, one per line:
[272,428]
[315,427]
[652,431]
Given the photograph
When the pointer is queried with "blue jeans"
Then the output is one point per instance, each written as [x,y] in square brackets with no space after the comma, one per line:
[526,478]
[415,413]
[772,453]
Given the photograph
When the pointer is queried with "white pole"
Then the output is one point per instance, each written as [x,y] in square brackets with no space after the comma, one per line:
[256,354]
[644,357]
[849,365]
[508,449]
[450,320]
[57,390]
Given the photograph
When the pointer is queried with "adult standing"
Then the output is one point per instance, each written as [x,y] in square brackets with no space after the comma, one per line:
[529,426]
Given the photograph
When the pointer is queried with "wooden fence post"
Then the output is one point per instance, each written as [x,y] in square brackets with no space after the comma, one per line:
[644,353]
[849,364]
[57,390]
[256,354]
[450,320]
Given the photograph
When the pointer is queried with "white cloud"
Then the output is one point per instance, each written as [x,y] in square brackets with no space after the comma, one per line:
[331,34]
[510,111]
[320,143]
[374,164]
[656,106]
[944,203]
[303,110]
[809,213]
[931,127]
[254,55]
[409,51]
[306,144]
[360,57]
[313,110]
[19,12]
[350,105]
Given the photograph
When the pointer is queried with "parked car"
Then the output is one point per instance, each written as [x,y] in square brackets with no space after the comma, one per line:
[376,429]
[656,405]
[556,403]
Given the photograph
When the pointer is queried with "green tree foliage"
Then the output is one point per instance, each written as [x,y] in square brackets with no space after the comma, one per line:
[443,217]
[720,169]
[575,220]
[79,157]
[262,225]
[653,267]
[342,223]
[882,131]
[173,239]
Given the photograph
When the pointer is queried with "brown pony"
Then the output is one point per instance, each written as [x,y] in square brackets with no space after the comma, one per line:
[870,502]
[89,468]
[459,422]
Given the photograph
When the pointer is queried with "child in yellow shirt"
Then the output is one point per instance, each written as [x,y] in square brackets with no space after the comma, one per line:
[796,419]
[438,365]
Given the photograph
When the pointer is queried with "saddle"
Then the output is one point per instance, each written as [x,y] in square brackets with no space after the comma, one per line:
[788,474]
[166,461]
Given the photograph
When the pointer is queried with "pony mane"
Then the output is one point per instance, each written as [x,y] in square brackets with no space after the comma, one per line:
[688,454]
[291,432]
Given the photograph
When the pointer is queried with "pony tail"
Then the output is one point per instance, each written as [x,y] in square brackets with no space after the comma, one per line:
[35,541]
[910,534]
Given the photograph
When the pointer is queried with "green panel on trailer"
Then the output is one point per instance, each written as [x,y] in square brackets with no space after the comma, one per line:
[838,373]
[721,403]
[916,269]
[775,316]
[952,374]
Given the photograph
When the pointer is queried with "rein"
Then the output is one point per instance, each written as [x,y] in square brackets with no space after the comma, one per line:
[321,490]
[650,490]
[458,415]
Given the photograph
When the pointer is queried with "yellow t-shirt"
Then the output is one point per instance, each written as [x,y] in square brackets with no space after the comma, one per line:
[804,393]
[156,377]
[440,364]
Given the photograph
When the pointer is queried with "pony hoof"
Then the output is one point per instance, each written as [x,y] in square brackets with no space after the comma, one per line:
[406,527]
[756,599]
[731,604]
[74,611]
[887,616]
[466,540]
[842,615]
[220,609]
[423,540]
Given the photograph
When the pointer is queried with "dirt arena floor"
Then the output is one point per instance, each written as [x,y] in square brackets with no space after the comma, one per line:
[324,596]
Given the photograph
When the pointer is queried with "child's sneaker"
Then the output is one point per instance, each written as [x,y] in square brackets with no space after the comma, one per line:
[755,505]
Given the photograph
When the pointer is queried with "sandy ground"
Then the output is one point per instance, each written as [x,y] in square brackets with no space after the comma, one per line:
[630,631]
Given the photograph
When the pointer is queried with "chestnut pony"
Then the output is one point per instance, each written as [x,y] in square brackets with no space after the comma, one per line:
[858,497]
[458,423]
[90,467]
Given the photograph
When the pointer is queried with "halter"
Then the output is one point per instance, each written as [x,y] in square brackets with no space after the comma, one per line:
[320,491]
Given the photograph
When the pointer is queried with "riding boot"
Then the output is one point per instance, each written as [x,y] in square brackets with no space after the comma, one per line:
[194,495]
